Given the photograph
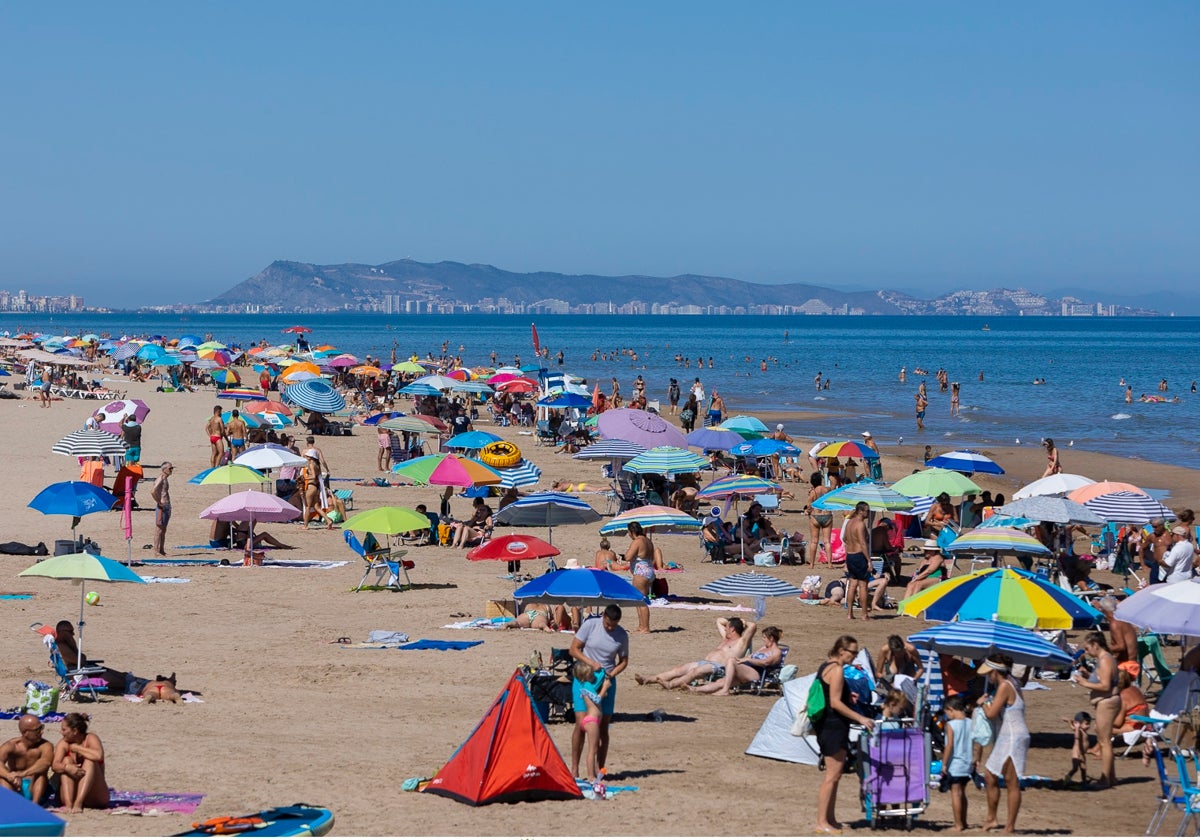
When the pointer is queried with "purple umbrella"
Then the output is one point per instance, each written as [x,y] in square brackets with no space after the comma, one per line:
[640,427]
[116,412]
[1164,608]
[250,505]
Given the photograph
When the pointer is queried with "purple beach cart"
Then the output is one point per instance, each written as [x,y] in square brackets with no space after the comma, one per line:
[893,766]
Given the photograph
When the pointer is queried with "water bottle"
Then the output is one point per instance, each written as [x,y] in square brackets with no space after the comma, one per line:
[27,787]
[760,607]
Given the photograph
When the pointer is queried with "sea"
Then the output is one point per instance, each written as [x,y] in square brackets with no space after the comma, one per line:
[1021,379]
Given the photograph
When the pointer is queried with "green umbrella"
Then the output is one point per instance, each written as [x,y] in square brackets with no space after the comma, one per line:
[231,474]
[934,482]
[82,567]
[387,520]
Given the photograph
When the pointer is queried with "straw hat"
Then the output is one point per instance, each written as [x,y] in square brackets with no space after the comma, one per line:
[931,545]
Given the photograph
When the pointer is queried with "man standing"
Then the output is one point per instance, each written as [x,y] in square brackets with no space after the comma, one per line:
[603,644]
[858,566]
[46,386]
[161,493]
[215,429]
[1154,547]
[922,404]
[1178,561]
[237,430]
[25,760]
[716,409]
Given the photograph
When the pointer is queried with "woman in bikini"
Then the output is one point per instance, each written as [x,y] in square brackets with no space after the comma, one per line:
[640,556]
[819,521]
[1106,698]
[1053,465]
[79,763]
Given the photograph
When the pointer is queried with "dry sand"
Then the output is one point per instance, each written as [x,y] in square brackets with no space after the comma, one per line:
[290,717]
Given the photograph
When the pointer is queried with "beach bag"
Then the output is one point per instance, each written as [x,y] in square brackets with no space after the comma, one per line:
[443,534]
[815,705]
[659,588]
[687,415]
[40,699]
[837,549]
[981,728]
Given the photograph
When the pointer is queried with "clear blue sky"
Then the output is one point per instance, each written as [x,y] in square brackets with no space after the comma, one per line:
[157,152]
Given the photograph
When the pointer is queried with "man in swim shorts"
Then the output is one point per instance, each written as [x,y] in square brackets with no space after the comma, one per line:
[161,493]
[215,429]
[858,566]
[604,644]
[236,428]
[25,760]
[736,638]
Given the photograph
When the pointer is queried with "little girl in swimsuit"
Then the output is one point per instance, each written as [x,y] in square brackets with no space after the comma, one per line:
[594,686]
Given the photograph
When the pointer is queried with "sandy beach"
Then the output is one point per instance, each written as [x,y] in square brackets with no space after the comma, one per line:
[290,716]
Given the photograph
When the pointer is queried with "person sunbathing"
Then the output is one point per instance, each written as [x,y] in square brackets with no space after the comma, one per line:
[736,638]
[541,617]
[746,669]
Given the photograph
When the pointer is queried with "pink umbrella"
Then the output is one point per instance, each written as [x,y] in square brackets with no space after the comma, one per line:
[116,411]
[343,361]
[640,427]
[250,505]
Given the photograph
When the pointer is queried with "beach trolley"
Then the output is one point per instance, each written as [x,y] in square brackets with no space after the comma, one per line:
[893,768]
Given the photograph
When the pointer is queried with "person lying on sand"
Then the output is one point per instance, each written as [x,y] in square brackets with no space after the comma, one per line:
[736,638]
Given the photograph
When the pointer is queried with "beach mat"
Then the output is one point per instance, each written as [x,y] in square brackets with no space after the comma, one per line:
[437,644]
[15,596]
[280,564]
[157,579]
[146,802]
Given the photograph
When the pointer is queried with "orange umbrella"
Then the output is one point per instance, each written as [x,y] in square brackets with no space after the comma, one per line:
[365,370]
[1084,494]
[297,367]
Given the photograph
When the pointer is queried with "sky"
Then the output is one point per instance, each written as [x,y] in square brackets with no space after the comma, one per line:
[163,152]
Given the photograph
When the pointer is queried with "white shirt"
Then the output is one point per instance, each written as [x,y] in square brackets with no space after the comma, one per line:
[1177,562]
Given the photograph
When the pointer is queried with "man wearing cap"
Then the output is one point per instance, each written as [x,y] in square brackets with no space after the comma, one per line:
[780,434]
[931,570]
[1179,559]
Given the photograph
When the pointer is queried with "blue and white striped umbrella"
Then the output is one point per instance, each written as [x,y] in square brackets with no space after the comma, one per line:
[664,520]
[1051,509]
[419,389]
[978,639]
[764,447]
[877,497]
[610,449]
[547,510]
[751,584]
[472,388]
[126,351]
[1126,507]
[664,460]
[315,395]
[523,474]
[967,461]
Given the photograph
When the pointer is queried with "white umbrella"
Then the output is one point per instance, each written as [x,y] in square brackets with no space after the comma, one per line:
[1058,484]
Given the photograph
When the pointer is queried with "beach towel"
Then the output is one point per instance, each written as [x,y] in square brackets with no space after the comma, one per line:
[49,717]
[437,644]
[155,579]
[673,605]
[498,623]
[147,803]
[15,596]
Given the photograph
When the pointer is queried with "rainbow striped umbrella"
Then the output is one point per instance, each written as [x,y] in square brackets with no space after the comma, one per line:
[1002,539]
[663,460]
[846,449]
[1011,595]
[738,485]
[877,497]
[666,519]
[446,468]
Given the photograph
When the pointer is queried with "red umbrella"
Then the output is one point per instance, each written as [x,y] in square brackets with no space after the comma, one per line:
[517,386]
[297,330]
[513,547]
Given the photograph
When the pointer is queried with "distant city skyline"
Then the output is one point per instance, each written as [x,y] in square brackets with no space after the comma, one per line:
[161,153]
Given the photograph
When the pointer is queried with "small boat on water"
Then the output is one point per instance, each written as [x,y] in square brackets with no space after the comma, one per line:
[986,328]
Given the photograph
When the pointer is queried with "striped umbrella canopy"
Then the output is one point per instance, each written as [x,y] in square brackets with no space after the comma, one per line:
[1164,608]
[547,510]
[420,389]
[126,351]
[379,417]
[1011,595]
[471,440]
[877,497]
[221,357]
[315,395]
[472,388]
[745,423]
[1099,488]
[999,521]
[1123,506]
[609,450]
[241,394]
[752,584]
[1051,509]
[90,443]
[1005,540]
[764,447]
[663,519]
[1053,485]
[664,460]
[447,469]
[847,449]
[733,486]
[934,482]
[525,473]
[966,460]
[408,423]
[274,419]
[252,422]
[978,639]
[460,374]
[715,437]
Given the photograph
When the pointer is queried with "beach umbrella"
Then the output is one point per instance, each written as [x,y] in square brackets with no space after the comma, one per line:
[664,460]
[1169,608]
[252,422]
[364,370]
[609,450]
[979,639]
[241,395]
[663,519]
[738,486]
[471,440]
[518,386]
[296,376]
[447,469]
[252,506]
[565,399]
[85,568]
[409,423]
[231,474]
[420,389]
[715,437]
[190,340]
[524,473]
[345,360]
[846,449]
[297,330]
[580,587]
[439,383]
[546,510]
[1051,509]
[934,482]
[754,585]
[387,520]
[640,427]
[502,376]
[967,461]
[19,817]
[1011,595]
[762,448]
[877,497]
[73,498]
[1100,488]
[212,354]
[225,376]
[150,352]
[513,547]
[472,388]
[126,351]
[269,456]
[1005,540]
[379,417]
[116,411]
[746,425]
[90,443]
[999,521]
[408,367]
[1053,485]
[314,395]
[1124,506]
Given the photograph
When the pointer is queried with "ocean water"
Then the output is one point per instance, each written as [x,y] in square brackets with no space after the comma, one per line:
[1082,361]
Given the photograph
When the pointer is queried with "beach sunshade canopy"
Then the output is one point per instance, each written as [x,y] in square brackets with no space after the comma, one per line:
[1004,540]
[1011,595]
[241,394]
[73,498]
[978,639]
[437,382]
[298,330]
[524,474]
[565,399]
[90,443]
[745,423]
[750,584]
[471,440]
[295,366]
[659,517]
[126,351]
[387,520]
[420,389]
[715,437]
[934,482]
[580,587]
[225,376]
[877,497]
[408,423]
[150,352]
[379,417]
[545,510]
[1171,608]
[252,420]
[609,450]
[269,456]
[640,427]
[1124,506]
[517,386]
[664,460]
[513,547]
[1099,488]
[19,817]
[738,486]
[251,505]
[1058,484]
[1051,509]
[233,474]
[846,449]
[408,367]
[363,370]
[764,447]
[966,460]
[471,388]
[315,395]
[116,411]
[447,469]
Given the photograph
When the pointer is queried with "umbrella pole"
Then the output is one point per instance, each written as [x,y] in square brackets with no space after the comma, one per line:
[250,543]
[79,647]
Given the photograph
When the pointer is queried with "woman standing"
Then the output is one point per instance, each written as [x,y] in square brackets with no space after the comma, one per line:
[1053,465]
[1011,742]
[640,557]
[833,730]
[1106,698]
[79,763]
[820,522]
[687,417]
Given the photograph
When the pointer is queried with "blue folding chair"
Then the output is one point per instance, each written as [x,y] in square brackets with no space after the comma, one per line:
[1188,788]
[380,560]
[1169,796]
[74,682]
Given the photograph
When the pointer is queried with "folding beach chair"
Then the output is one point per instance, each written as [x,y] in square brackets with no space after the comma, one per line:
[381,561]
[1148,645]
[75,682]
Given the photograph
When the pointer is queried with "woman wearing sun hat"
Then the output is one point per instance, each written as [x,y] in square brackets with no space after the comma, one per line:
[1006,710]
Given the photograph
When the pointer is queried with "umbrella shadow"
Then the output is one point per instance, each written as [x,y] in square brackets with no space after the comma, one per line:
[639,774]
[669,629]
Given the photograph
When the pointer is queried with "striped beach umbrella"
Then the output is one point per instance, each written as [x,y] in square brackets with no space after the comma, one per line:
[315,395]
[934,482]
[750,584]
[241,394]
[1005,540]
[419,389]
[408,423]
[1099,488]
[609,450]
[547,510]
[663,519]
[877,497]
[1124,506]
[90,443]
[966,460]
[1058,484]
[1051,509]
[447,469]
[225,376]
[735,486]
[126,351]
[664,460]
[1012,595]
[978,639]
[523,474]
[472,388]
[846,449]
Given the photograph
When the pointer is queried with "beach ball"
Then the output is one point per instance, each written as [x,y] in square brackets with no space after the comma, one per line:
[92,598]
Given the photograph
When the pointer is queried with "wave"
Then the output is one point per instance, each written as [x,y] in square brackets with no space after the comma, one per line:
[1121,416]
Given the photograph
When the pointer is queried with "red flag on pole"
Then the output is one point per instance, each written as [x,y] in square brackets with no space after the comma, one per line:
[537,346]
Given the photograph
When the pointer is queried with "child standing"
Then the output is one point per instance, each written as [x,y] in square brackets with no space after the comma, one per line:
[1079,748]
[594,686]
[957,755]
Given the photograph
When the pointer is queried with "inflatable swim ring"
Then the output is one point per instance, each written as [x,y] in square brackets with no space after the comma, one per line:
[229,825]
[500,453]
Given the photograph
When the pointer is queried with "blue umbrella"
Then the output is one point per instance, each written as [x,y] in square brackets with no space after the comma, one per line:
[376,419]
[967,461]
[610,449]
[580,586]
[764,447]
[523,474]
[74,499]
[566,399]
[712,437]
[420,389]
[21,818]
[315,395]
[127,350]
[547,510]
[471,440]
[979,638]
[150,352]
[664,460]
[190,340]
